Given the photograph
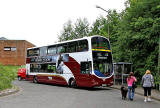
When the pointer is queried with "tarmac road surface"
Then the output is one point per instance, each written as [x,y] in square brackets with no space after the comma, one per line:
[50,96]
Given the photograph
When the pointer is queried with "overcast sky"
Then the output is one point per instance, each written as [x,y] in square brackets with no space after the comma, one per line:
[40,21]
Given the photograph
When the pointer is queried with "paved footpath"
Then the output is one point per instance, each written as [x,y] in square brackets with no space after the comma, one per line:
[139,90]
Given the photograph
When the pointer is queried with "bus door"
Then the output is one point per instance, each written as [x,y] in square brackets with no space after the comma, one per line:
[85,71]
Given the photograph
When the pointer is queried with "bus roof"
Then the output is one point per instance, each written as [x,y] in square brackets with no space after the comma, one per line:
[68,41]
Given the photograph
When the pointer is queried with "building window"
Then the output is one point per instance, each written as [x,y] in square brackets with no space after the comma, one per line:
[7,48]
[10,48]
[13,48]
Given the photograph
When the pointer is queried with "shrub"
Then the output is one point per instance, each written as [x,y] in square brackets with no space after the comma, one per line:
[7,75]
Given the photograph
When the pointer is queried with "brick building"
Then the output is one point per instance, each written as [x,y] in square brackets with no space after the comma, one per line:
[13,52]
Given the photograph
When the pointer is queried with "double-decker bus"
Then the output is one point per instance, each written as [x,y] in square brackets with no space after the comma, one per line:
[85,62]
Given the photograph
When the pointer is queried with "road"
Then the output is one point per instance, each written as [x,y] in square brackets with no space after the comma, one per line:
[50,96]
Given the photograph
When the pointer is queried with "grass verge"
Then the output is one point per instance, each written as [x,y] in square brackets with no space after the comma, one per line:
[7,75]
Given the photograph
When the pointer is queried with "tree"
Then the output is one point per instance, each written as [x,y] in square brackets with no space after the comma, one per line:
[78,30]
[67,33]
[139,33]
[81,28]
[99,27]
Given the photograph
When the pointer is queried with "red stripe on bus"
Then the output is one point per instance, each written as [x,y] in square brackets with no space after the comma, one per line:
[73,65]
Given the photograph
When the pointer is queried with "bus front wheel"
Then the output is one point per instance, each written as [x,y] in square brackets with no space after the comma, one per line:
[72,82]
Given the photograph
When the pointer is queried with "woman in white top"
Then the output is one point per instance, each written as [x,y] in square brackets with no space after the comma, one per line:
[147,83]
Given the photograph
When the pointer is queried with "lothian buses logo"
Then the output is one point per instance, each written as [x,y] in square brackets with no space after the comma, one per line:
[41,59]
[53,59]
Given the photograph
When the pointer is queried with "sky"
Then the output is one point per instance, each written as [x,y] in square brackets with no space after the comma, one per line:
[41,21]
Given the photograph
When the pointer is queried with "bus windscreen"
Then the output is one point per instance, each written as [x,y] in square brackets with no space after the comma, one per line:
[102,58]
[100,44]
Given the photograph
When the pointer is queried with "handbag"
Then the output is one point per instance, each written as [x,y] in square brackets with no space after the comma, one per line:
[134,85]
[152,82]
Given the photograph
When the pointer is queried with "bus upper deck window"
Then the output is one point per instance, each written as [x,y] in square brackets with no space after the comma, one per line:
[33,52]
[52,50]
[62,48]
[72,47]
[83,45]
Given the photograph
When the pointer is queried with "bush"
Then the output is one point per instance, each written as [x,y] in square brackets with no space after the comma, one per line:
[7,75]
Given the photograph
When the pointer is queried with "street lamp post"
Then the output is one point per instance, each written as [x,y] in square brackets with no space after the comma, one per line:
[107,16]
[159,57]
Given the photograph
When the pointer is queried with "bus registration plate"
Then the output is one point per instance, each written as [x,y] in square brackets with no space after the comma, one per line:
[50,78]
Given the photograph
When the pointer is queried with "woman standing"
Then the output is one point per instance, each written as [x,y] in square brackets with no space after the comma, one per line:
[147,83]
[130,80]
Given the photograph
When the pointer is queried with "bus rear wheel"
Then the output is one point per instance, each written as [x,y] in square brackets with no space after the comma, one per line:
[19,78]
[72,82]
[35,80]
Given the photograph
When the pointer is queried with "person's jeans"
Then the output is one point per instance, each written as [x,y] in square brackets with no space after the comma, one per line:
[130,92]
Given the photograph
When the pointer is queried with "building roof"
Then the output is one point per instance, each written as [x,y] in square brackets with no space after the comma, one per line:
[3,38]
